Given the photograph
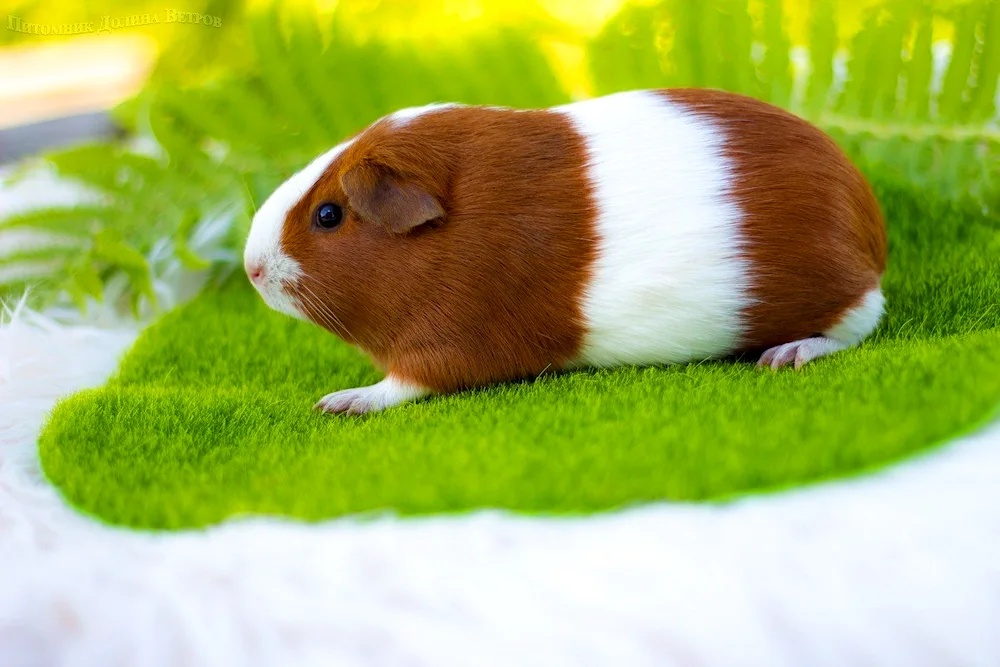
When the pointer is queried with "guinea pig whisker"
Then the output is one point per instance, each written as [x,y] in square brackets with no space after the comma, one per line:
[318,311]
[322,316]
[323,309]
[333,316]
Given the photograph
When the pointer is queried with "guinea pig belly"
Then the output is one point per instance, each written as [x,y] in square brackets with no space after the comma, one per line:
[670,282]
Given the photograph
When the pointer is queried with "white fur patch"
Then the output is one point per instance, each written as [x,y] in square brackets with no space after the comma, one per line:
[859,321]
[403,116]
[669,284]
[263,246]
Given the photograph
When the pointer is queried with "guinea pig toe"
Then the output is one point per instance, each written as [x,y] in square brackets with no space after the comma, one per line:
[799,352]
[346,401]
[385,394]
[778,356]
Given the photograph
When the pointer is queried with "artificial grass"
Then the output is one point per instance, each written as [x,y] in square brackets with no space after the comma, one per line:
[209,415]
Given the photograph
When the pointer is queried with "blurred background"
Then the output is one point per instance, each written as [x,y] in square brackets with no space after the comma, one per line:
[137,138]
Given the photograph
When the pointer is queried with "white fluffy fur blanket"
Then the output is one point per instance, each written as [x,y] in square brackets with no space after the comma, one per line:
[898,568]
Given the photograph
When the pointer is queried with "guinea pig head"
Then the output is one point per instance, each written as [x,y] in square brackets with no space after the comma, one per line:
[335,244]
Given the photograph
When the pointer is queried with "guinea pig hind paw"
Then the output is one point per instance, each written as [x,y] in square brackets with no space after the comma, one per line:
[799,352]
[385,394]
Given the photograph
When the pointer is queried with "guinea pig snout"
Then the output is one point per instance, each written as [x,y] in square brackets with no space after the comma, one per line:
[274,278]
[256,271]
[269,267]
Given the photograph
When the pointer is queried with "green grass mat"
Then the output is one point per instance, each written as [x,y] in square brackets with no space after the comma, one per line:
[209,415]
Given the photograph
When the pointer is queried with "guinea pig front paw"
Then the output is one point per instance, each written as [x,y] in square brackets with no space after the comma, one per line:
[385,394]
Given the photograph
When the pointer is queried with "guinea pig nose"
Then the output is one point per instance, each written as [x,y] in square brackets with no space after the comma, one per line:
[256,272]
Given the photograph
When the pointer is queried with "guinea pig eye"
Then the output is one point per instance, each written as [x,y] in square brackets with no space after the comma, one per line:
[329,216]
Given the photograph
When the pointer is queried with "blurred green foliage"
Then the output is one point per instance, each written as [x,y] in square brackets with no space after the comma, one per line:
[886,107]
[235,114]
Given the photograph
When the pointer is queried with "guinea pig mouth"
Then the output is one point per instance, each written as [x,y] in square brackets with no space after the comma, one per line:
[281,299]
[275,277]
[278,293]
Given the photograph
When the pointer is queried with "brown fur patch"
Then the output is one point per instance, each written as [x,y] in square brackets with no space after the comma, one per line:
[490,292]
[815,234]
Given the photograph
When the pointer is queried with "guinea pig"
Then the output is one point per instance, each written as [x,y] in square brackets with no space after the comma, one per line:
[461,246]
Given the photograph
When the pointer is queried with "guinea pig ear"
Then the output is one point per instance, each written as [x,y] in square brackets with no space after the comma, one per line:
[384,198]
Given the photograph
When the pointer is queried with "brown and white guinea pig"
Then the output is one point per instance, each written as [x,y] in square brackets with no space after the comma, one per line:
[461,246]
